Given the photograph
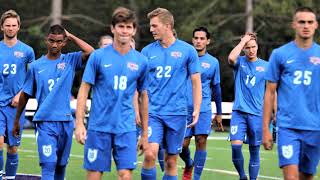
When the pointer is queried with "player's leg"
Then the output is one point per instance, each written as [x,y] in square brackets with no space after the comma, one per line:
[174,136]
[185,153]
[161,153]
[310,154]
[238,128]
[12,143]
[288,151]
[202,130]
[2,134]
[46,135]
[254,133]
[125,154]
[64,148]
[97,154]
[155,137]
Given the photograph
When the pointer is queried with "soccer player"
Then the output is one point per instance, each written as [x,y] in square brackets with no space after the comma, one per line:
[249,72]
[50,80]
[294,71]
[210,78]
[171,62]
[104,41]
[114,72]
[14,57]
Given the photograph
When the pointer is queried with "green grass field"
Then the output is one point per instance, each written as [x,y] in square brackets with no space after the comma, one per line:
[218,164]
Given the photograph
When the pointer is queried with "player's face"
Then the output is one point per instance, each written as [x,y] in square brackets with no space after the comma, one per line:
[55,42]
[157,28]
[200,40]
[251,49]
[305,24]
[10,27]
[123,32]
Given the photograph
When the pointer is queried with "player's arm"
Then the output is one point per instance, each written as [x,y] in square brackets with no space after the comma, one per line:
[136,107]
[23,99]
[85,47]
[275,106]
[216,89]
[197,97]
[267,111]
[81,131]
[143,109]
[234,54]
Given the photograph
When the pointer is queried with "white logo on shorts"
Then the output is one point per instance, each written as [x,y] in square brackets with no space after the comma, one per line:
[92,154]
[149,131]
[234,130]
[287,151]
[47,150]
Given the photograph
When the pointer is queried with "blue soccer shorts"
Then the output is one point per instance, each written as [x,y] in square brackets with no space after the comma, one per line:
[54,139]
[168,131]
[100,145]
[7,117]
[299,147]
[244,124]
[203,126]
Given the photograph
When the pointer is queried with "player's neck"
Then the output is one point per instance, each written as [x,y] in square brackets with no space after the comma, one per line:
[121,48]
[202,52]
[304,43]
[10,41]
[252,59]
[53,56]
[168,41]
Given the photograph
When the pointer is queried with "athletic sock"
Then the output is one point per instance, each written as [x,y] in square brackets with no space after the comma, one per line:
[199,161]
[149,174]
[237,159]
[11,165]
[254,164]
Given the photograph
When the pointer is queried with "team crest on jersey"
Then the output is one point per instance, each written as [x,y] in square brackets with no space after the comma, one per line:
[92,154]
[149,131]
[47,150]
[315,60]
[18,54]
[133,66]
[287,151]
[260,69]
[61,66]
[205,65]
[176,54]
[234,130]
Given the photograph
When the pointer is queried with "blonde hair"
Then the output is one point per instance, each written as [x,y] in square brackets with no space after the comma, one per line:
[10,14]
[164,16]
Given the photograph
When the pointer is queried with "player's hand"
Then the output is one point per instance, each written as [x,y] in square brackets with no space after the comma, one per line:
[80,133]
[16,129]
[143,145]
[195,118]
[218,120]
[15,100]
[267,140]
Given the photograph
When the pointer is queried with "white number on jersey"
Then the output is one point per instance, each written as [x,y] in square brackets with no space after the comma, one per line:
[160,73]
[120,83]
[12,69]
[51,83]
[252,80]
[302,77]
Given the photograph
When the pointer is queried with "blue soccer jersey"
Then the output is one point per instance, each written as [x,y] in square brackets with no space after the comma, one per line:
[169,69]
[297,72]
[13,66]
[114,79]
[50,81]
[249,85]
[210,75]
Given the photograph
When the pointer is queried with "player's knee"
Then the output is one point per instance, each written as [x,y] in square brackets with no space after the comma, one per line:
[12,149]
[186,142]
[149,156]
[291,177]
[124,175]
[171,163]
[201,142]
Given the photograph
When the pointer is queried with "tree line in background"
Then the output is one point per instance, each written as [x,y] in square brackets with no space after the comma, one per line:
[226,20]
